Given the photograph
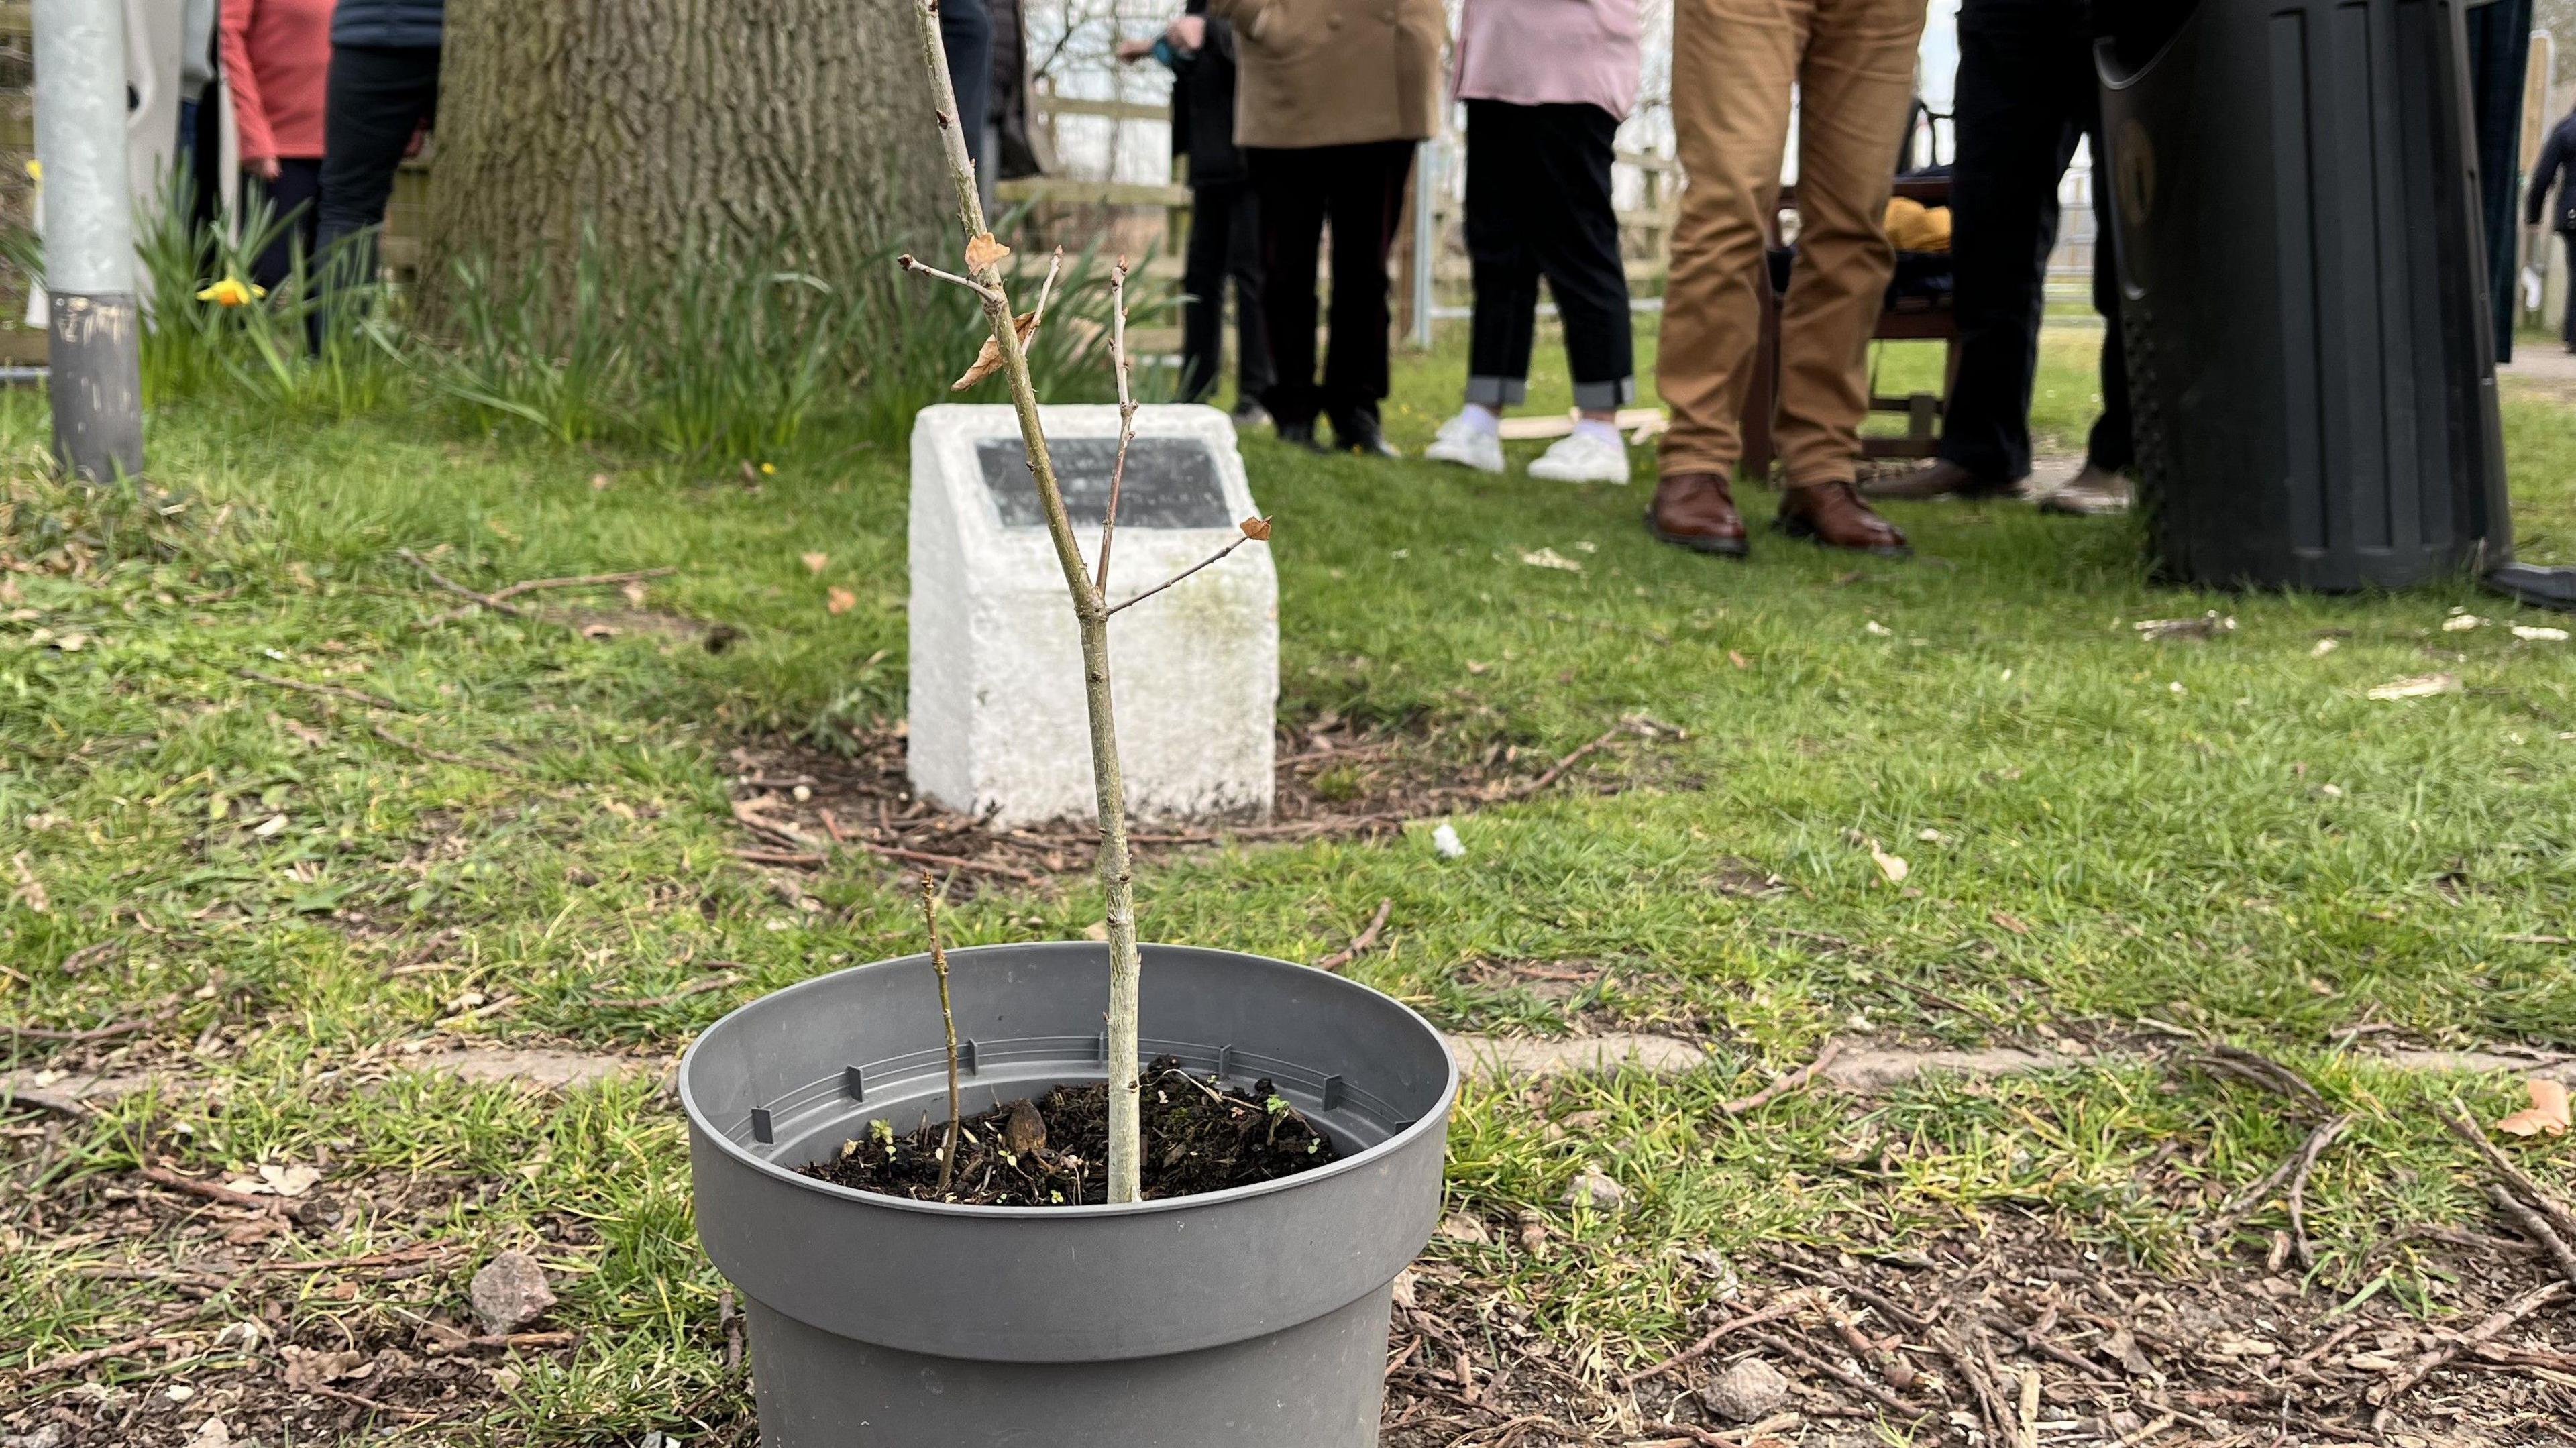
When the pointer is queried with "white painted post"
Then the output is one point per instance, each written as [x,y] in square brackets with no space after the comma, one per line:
[94,333]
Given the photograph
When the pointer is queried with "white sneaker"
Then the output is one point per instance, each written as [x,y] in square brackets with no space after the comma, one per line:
[1582,457]
[1462,442]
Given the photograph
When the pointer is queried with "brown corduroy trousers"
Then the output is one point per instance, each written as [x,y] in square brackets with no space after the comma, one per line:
[1735,64]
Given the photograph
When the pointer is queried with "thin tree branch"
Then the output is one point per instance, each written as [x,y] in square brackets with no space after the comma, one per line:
[912,263]
[489,601]
[947,1018]
[1091,616]
[1046,289]
[1210,561]
[1126,412]
[325,691]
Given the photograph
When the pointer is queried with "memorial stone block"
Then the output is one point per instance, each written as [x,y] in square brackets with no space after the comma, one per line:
[998,723]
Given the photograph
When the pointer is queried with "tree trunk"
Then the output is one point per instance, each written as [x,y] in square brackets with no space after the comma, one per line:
[771,130]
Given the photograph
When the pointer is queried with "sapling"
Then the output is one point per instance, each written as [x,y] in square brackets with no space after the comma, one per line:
[1007,352]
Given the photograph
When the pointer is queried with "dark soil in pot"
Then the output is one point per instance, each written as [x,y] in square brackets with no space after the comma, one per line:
[1200,1136]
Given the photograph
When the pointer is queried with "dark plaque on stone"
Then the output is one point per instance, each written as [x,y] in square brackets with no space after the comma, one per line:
[1172,482]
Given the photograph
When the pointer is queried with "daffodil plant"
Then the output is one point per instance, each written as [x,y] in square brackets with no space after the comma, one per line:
[1006,351]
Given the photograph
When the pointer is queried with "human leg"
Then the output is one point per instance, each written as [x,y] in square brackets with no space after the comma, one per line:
[1365,195]
[374,98]
[1243,263]
[1734,63]
[1203,272]
[1292,223]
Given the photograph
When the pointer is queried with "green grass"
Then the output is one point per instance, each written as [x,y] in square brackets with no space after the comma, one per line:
[2229,835]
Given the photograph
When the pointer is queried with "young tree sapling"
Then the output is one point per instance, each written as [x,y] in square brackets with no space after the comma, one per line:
[1006,351]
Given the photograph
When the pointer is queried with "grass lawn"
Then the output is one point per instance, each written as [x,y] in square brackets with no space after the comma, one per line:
[271,899]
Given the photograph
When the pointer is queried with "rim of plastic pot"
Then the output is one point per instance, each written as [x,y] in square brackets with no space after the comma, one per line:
[1436,1118]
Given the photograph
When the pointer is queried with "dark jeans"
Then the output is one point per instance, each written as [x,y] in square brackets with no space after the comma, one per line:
[293,214]
[2567,324]
[375,98]
[1538,204]
[2026,94]
[1360,189]
[966,35]
[1225,241]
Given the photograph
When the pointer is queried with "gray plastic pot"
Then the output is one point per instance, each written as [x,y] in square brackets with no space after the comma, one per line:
[1250,1318]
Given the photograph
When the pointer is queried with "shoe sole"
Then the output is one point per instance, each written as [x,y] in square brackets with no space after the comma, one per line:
[1496,471]
[1622,480]
[2066,509]
[1800,528]
[1715,547]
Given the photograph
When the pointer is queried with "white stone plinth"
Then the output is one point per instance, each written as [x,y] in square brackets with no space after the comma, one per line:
[998,724]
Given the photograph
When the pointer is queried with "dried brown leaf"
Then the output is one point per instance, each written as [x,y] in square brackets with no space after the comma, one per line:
[989,360]
[817,562]
[2547,1114]
[983,251]
[841,600]
[1256,529]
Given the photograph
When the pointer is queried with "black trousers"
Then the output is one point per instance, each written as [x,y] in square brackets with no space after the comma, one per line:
[291,210]
[1225,242]
[375,98]
[2026,94]
[2567,324]
[1538,204]
[1360,190]
[966,36]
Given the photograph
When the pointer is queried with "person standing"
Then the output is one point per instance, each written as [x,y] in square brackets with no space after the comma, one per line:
[1850,64]
[277,60]
[2026,95]
[1333,96]
[1546,83]
[2557,158]
[966,39]
[380,97]
[1225,217]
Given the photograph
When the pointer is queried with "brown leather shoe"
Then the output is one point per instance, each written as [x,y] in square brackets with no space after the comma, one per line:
[1939,478]
[1695,511]
[1833,515]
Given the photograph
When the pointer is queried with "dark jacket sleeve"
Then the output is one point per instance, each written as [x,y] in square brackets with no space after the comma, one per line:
[2553,156]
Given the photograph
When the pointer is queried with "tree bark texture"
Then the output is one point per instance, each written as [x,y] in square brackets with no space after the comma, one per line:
[789,132]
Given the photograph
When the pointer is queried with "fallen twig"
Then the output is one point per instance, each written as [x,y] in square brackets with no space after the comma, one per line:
[212,1191]
[490,601]
[2255,1069]
[414,1415]
[1686,1432]
[438,1347]
[639,1003]
[587,580]
[949,862]
[40,1099]
[1784,1305]
[1795,1081]
[1854,1381]
[440,755]
[2535,1226]
[807,859]
[2318,1140]
[2465,1127]
[1557,770]
[1362,943]
[2386,1394]
[94,1033]
[327,691]
[150,1338]
[1981,1385]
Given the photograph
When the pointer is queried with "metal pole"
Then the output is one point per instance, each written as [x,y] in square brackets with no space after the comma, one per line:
[94,340]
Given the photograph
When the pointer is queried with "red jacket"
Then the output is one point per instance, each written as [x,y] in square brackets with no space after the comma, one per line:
[277,54]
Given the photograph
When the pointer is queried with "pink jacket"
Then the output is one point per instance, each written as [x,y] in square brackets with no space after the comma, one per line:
[1549,52]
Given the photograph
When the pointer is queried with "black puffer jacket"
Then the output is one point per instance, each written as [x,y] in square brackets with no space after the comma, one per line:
[388,22]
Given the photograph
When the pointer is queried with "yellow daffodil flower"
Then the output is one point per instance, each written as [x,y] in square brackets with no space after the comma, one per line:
[230,292]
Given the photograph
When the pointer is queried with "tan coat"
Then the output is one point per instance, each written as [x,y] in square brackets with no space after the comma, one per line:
[1335,72]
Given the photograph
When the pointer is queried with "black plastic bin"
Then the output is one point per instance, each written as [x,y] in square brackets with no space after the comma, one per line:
[2304,295]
